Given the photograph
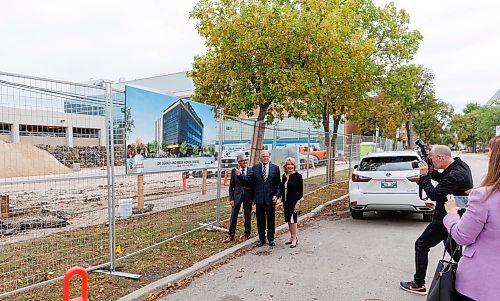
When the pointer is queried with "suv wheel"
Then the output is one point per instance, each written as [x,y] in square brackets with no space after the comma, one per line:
[428,217]
[357,214]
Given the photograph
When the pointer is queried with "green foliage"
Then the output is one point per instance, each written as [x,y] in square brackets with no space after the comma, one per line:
[413,86]
[249,65]
[384,112]
[196,149]
[432,117]
[153,146]
[487,119]
[183,148]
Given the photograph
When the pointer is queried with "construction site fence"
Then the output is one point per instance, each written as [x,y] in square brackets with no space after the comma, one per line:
[66,196]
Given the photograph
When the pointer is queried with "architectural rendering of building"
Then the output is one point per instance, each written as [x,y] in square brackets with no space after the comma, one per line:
[179,123]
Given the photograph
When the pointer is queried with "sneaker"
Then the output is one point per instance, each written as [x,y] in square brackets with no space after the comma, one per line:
[411,286]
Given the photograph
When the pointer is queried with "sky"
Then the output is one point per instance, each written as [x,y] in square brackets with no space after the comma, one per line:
[147,107]
[81,40]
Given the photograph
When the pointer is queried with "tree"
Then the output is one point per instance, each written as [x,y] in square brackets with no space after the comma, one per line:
[349,48]
[487,119]
[129,121]
[196,150]
[412,85]
[383,112]
[183,148]
[249,65]
[432,116]
[465,125]
[154,146]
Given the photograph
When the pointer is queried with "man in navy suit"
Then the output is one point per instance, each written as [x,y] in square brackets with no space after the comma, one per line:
[265,178]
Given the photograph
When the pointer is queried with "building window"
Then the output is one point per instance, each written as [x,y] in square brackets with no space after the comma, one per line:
[41,130]
[5,128]
[85,133]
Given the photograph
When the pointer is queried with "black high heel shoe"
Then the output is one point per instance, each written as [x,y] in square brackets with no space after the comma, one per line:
[288,242]
[296,243]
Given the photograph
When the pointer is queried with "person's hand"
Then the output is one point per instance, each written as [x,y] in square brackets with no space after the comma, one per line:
[238,171]
[451,205]
[424,168]
[254,208]
[275,199]
[297,207]
[231,202]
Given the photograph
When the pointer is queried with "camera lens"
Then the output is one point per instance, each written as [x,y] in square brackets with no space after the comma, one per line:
[414,164]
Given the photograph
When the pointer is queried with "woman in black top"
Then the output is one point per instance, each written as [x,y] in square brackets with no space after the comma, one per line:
[292,192]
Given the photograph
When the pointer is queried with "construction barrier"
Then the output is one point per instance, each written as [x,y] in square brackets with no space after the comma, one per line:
[184,184]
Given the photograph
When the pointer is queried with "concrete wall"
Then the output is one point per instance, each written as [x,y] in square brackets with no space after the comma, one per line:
[85,141]
[17,116]
[43,140]
[6,137]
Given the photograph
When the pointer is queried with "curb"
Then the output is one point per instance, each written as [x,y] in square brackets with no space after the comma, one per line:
[143,293]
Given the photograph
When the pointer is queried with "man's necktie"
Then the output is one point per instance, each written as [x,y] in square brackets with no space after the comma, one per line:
[264,172]
[243,172]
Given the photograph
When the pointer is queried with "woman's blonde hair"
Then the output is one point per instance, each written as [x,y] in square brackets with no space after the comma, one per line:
[291,160]
[492,179]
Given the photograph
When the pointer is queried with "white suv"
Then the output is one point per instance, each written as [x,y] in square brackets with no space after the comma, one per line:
[387,181]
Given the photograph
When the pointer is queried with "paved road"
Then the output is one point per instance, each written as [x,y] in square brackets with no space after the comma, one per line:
[335,260]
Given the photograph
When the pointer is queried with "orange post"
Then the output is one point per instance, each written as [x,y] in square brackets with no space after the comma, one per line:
[69,274]
[184,186]
[103,164]
[225,177]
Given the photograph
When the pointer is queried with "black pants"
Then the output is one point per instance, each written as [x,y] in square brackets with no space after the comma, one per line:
[247,213]
[431,237]
[265,213]
[460,297]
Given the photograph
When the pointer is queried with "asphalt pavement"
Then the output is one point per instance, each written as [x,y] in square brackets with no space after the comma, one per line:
[335,260]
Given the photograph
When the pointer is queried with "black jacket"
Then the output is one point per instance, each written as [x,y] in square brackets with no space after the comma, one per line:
[239,189]
[294,190]
[456,180]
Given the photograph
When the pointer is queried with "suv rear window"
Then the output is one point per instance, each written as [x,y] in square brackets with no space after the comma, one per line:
[386,163]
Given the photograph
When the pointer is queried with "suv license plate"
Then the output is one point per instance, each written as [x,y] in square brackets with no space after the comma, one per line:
[389,184]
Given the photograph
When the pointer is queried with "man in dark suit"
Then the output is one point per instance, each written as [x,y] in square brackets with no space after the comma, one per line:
[240,192]
[265,179]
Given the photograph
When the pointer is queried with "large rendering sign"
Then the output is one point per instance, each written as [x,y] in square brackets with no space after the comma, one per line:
[164,133]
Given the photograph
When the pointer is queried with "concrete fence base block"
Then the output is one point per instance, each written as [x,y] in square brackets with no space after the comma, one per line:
[163,283]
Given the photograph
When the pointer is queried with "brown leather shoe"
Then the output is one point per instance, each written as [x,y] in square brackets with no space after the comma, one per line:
[244,237]
[229,238]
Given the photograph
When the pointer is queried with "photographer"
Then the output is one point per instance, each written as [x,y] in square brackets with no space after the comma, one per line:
[455,179]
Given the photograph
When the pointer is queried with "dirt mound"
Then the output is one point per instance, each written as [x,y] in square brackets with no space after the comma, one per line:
[24,160]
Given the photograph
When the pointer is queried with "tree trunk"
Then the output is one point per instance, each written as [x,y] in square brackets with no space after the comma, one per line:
[258,136]
[409,130]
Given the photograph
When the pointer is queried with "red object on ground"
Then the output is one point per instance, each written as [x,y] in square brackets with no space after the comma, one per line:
[225,177]
[184,186]
[69,274]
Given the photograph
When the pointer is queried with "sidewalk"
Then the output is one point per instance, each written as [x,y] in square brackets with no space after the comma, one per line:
[335,260]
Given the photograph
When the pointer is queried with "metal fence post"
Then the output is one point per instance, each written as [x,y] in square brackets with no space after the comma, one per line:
[308,152]
[219,171]
[110,175]
[350,154]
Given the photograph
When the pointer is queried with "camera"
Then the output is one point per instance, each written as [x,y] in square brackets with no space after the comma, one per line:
[423,154]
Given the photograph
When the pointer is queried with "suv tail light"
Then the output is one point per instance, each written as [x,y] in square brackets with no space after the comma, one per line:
[358,178]
[414,178]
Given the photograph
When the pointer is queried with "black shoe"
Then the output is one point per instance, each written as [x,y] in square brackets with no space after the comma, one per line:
[260,243]
[296,243]
[288,242]
[411,286]
[272,243]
